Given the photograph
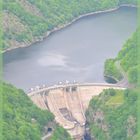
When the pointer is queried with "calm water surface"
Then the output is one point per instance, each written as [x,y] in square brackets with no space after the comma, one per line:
[77,52]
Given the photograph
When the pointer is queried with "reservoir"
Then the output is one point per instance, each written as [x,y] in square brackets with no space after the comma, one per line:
[77,52]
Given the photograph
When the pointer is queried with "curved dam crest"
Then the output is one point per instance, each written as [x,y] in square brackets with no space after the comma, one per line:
[69,102]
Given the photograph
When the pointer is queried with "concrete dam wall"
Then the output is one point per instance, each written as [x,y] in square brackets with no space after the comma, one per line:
[68,103]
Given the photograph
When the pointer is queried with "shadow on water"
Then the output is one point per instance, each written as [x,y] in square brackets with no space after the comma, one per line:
[110,80]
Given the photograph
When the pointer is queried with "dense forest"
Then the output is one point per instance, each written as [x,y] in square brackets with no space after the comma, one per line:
[27,21]
[22,120]
[113,115]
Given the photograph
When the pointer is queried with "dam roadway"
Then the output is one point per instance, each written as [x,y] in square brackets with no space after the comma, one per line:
[69,102]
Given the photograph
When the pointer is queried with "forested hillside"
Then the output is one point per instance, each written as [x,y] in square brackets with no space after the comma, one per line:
[113,115]
[128,60]
[22,120]
[27,21]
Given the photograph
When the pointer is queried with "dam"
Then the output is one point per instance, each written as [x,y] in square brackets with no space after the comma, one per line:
[69,102]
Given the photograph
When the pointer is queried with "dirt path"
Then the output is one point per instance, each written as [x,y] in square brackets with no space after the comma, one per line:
[124,82]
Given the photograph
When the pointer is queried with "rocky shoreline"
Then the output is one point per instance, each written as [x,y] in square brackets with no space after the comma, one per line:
[28,44]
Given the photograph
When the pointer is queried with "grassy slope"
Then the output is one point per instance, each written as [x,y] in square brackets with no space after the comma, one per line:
[37,17]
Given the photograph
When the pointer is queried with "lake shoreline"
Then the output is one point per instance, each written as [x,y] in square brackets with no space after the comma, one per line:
[29,67]
[48,33]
